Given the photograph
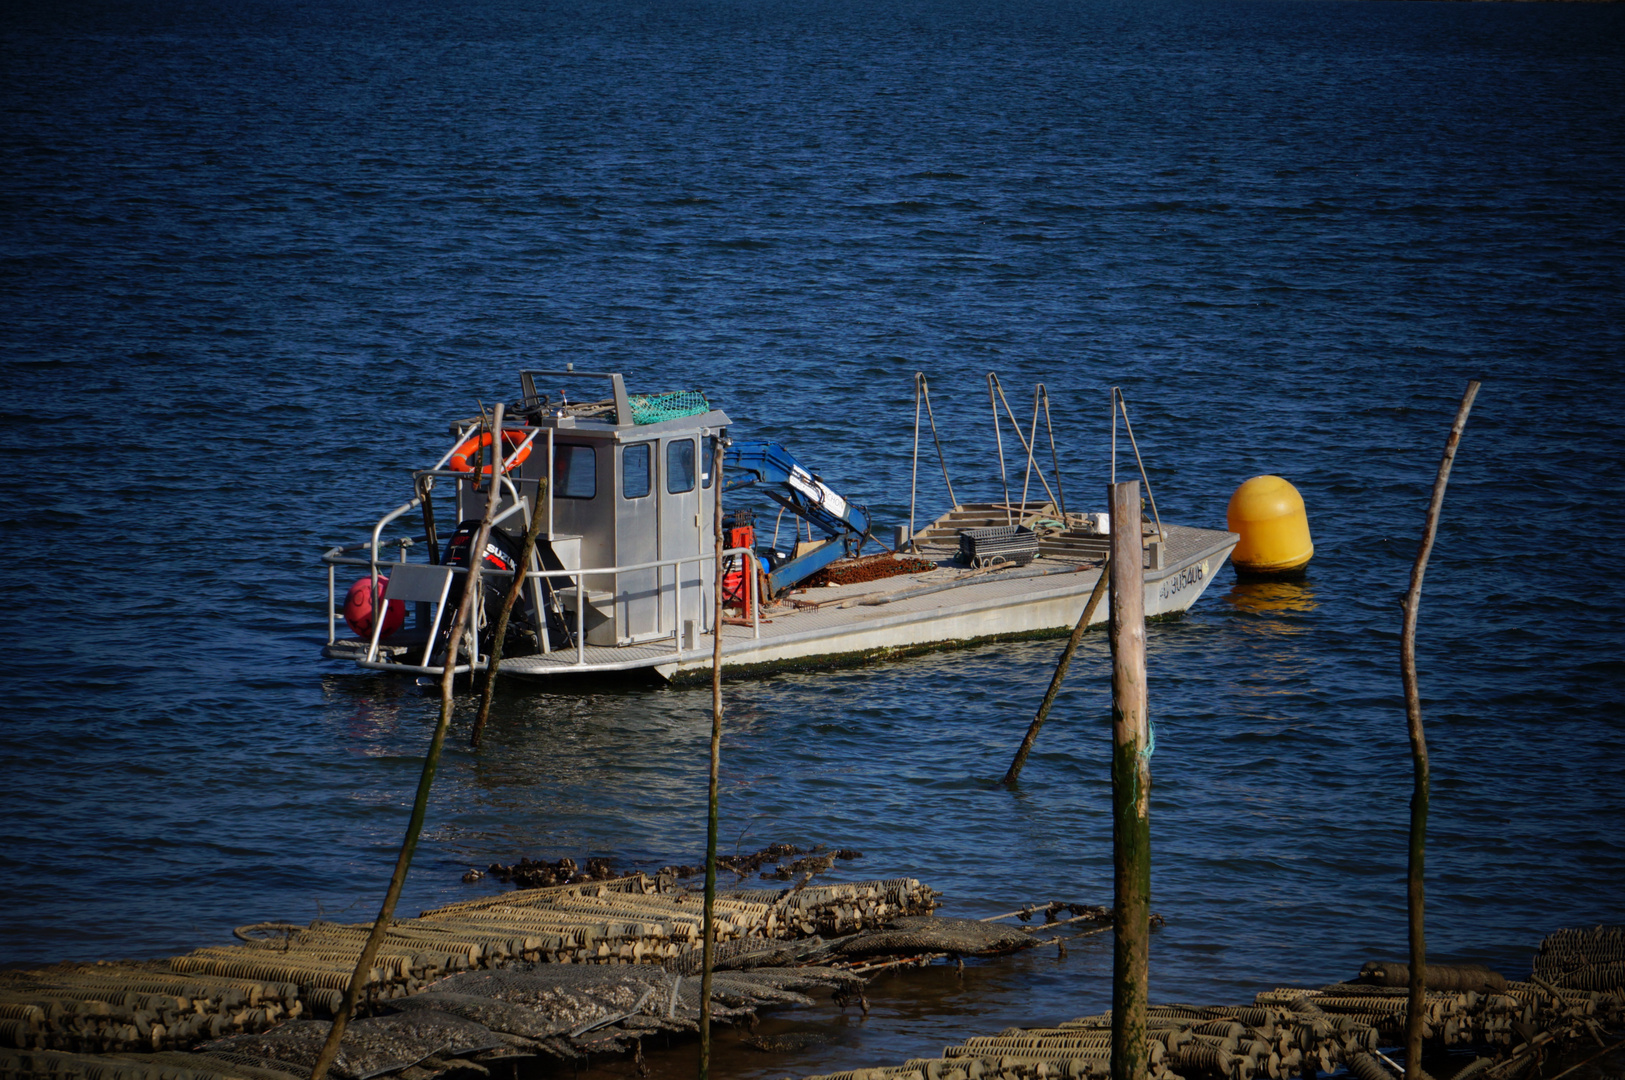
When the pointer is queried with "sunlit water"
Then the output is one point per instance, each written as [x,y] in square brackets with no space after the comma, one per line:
[255,256]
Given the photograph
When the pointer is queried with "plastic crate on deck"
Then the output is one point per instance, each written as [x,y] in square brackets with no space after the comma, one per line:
[1014,545]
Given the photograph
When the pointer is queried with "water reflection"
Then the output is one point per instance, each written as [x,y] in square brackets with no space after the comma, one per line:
[370,711]
[1272,598]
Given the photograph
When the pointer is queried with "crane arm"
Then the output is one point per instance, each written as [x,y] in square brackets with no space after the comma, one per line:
[793,486]
[790,484]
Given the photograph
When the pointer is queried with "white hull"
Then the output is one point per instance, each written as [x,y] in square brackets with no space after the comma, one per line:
[946,606]
[989,608]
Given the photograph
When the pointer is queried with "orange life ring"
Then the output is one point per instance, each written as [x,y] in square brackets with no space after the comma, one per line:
[474,447]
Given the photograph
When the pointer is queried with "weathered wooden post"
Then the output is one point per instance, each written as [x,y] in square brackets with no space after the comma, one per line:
[708,935]
[1131,788]
[1020,760]
[1421,779]
[431,761]
[509,599]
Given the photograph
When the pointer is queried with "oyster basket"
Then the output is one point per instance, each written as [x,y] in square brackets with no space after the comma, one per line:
[1012,545]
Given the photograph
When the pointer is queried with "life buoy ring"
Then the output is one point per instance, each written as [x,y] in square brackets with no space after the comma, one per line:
[474,447]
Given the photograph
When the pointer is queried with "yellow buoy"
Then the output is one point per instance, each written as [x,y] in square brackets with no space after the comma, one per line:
[1268,514]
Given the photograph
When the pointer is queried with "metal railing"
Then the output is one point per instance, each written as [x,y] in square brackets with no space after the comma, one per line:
[339,556]
[423,483]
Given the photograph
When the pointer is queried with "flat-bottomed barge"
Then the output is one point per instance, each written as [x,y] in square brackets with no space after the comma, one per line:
[622,497]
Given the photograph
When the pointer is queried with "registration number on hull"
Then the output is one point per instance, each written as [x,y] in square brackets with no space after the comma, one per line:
[1192,577]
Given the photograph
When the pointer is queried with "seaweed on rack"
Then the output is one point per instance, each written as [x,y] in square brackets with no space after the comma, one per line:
[592,1005]
[913,935]
[744,865]
[540,874]
[547,999]
[230,1063]
[168,1065]
[375,1046]
[748,953]
[743,991]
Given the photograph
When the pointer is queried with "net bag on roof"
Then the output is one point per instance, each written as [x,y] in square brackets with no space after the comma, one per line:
[653,408]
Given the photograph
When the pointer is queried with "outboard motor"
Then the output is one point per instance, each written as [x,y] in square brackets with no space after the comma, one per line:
[501,559]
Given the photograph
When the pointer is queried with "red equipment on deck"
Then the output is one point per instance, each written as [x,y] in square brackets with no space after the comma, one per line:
[358,609]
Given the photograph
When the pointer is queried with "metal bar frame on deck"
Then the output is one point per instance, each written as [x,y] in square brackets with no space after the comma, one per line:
[577,578]
[337,556]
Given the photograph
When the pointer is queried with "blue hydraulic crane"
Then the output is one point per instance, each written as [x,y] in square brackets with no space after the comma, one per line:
[790,484]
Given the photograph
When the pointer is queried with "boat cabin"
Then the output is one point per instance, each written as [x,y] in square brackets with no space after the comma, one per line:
[632,488]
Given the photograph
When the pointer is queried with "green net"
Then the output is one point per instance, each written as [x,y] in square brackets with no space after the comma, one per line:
[653,408]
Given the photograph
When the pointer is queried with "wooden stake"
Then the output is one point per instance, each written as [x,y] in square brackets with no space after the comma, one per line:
[526,549]
[1414,894]
[708,945]
[1061,665]
[1131,788]
[420,805]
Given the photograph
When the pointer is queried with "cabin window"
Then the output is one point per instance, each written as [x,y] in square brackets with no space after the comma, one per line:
[706,450]
[680,466]
[575,472]
[635,463]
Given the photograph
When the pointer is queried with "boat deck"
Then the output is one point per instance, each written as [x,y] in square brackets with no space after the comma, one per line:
[951,604]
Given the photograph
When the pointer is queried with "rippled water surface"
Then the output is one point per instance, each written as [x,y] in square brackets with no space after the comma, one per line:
[255,255]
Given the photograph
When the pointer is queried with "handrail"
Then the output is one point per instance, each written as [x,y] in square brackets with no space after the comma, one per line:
[339,560]
[439,468]
[386,519]
[462,437]
[334,557]
[372,565]
[523,443]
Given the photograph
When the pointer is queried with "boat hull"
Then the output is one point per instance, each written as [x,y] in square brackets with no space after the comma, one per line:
[946,607]
[867,626]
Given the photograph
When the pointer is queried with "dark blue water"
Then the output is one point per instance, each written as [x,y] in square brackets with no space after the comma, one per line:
[253,256]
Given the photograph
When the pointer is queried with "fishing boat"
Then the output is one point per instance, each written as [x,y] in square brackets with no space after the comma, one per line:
[621,493]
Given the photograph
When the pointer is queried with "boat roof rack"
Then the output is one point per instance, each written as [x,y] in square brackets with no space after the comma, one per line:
[617,404]
[621,409]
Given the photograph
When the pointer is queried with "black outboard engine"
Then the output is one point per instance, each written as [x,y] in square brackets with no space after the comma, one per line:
[501,559]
